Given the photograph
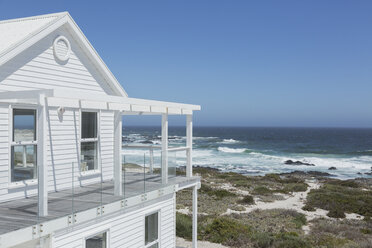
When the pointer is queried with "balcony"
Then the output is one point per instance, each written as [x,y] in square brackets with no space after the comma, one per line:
[141,182]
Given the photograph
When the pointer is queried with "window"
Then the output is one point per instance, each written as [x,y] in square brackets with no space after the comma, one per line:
[97,241]
[24,145]
[151,231]
[89,140]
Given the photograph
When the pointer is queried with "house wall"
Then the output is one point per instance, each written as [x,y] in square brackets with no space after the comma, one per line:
[63,149]
[4,148]
[126,230]
[36,68]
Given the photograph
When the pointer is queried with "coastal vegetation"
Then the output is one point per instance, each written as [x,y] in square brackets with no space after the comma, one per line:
[340,197]
[232,210]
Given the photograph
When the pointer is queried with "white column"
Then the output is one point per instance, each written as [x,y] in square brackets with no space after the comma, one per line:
[41,157]
[189,145]
[195,217]
[164,148]
[118,172]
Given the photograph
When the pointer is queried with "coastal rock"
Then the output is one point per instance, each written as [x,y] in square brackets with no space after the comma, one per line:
[332,168]
[291,162]
[319,174]
[306,174]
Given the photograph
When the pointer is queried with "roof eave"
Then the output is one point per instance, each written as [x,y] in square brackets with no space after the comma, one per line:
[64,18]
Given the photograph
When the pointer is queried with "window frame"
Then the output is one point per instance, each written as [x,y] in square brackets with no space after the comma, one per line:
[157,241]
[91,234]
[86,140]
[12,143]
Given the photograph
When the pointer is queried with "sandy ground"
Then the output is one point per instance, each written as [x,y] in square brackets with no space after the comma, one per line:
[182,243]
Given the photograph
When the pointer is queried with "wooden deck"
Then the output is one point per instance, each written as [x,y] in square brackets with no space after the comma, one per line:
[21,213]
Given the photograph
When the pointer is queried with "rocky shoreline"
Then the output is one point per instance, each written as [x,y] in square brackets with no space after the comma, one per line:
[279,210]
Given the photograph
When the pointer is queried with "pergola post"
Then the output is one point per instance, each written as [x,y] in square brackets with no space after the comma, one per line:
[164,148]
[189,145]
[41,157]
[195,217]
[118,172]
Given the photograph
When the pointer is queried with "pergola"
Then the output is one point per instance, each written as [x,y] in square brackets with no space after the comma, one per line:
[42,100]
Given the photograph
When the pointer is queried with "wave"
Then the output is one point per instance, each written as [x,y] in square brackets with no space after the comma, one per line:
[229,141]
[231,150]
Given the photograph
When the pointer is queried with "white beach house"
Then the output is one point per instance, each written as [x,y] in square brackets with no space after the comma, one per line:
[65,179]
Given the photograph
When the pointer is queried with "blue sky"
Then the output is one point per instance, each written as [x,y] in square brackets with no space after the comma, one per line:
[248,63]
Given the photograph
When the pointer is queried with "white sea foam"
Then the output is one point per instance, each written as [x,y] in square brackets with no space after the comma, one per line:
[229,141]
[231,150]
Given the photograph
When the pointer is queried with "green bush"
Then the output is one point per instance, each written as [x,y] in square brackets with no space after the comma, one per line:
[263,239]
[345,183]
[272,176]
[261,190]
[248,199]
[336,213]
[219,193]
[224,230]
[290,240]
[338,199]
[295,187]
[366,231]
[308,208]
[183,226]
[299,220]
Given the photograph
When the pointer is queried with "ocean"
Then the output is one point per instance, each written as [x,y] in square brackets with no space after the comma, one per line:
[258,151]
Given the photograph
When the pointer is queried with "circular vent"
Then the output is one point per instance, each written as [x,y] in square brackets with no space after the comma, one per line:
[62,48]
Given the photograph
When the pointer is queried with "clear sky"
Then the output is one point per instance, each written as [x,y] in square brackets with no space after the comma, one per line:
[247,63]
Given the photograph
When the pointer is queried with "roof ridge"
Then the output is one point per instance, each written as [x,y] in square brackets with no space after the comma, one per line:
[57,14]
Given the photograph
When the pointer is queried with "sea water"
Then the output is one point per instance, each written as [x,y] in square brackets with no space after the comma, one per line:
[258,151]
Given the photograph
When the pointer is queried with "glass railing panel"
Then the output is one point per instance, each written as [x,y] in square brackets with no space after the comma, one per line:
[134,173]
[177,162]
[153,173]
[172,164]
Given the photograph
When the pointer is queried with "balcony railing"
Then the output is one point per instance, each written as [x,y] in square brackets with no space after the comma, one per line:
[87,195]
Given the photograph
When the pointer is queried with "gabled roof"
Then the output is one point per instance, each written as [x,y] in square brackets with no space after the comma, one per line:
[19,34]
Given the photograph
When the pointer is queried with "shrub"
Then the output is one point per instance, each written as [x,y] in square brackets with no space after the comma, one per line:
[338,199]
[263,239]
[290,240]
[224,230]
[295,187]
[336,213]
[308,208]
[345,183]
[219,193]
[272,176]
[299,220]
[365,231]
[183,226]
[248,199]
[261,190]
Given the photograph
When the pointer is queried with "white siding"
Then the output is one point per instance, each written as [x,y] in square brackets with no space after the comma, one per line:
[63,149]
[36,68]
[126,230]
[107,144]
[4,149]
